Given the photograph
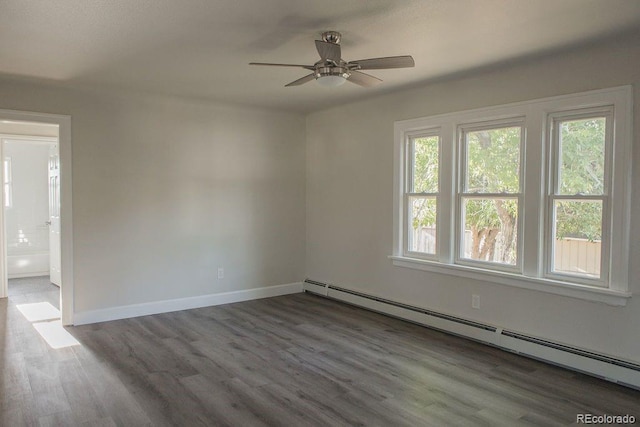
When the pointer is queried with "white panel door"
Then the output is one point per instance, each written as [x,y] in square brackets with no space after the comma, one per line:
[55,260]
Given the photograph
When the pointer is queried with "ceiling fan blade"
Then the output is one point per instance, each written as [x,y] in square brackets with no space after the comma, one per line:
[308,67]
[302,81]
[330,51]
[363,79]
[405,61]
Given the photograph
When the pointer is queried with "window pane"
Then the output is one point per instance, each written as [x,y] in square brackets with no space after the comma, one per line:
[422,232]
[425,164]
[490,230]
[493,160]
[582,151]
[578,235]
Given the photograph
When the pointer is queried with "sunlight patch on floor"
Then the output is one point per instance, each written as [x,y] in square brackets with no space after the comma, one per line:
[55,335]
[45,319]
[38,311]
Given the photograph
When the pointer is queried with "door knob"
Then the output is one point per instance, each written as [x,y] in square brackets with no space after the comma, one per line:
[47,222]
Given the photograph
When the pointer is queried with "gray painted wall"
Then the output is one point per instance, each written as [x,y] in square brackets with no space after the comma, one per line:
[350,205]
[167,190]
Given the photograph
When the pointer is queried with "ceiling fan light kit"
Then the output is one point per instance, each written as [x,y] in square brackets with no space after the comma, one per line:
[331,70]
[332,76]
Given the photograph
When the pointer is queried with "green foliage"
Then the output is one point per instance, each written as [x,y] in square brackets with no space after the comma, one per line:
[425,165]
[581,219]
[582,157]
[482,213]
[582,154]
[425,180]
[424,212]
[493,165]
[493,161]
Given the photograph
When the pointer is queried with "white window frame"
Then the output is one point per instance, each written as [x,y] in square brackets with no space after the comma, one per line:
[409,138]
[462,193]
[537,117]
[552,193]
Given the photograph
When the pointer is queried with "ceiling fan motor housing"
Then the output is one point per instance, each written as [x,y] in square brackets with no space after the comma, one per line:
[332,71]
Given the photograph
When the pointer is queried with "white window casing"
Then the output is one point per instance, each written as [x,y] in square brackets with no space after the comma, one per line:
[538,182]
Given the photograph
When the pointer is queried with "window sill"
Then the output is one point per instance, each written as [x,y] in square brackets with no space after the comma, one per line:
[589,293]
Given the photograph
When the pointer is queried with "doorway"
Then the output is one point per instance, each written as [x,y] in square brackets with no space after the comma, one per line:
[35,236]
[31,209]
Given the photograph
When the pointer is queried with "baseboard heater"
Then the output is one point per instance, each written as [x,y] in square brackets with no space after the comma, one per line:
[611,369]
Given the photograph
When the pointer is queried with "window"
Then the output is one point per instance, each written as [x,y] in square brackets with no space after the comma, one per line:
[578,196]
[421,198]
[534,194]
[490,196]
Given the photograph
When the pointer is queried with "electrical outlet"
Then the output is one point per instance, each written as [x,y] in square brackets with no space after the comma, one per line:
[475,301]
[220,273]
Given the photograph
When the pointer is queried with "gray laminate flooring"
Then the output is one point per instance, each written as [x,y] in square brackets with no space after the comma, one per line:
[296,360]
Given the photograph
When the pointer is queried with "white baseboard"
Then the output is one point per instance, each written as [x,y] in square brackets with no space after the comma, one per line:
[157,307]
[24,275]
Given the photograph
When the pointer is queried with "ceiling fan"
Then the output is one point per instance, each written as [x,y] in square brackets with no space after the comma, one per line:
[332,70]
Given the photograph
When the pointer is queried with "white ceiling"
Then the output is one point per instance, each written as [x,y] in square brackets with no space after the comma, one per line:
[201,48]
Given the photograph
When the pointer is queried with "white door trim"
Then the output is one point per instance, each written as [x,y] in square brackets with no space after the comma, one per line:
[66,220]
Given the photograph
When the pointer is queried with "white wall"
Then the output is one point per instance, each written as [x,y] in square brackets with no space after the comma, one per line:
[350,206]
[26,232]
[166,190]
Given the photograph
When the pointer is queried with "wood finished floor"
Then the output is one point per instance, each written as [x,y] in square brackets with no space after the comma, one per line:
[296,360]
